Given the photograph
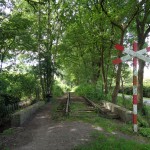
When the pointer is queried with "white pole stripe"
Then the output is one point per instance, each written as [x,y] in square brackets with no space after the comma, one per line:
[134,90]
[135,72]
[134,109]
[135,127]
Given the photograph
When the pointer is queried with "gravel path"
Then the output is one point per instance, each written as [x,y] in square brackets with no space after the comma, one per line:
[43,133]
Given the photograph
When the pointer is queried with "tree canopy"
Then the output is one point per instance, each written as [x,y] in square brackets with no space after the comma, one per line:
[72,40]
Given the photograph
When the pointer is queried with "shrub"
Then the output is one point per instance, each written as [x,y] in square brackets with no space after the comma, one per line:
[9,99]
[129,91]
[90,91]
[18,85]
[146,111]
[145,132]
[142,121]
[57,91]
[6,100]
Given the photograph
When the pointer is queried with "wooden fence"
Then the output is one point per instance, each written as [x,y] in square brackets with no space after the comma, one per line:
[6,112]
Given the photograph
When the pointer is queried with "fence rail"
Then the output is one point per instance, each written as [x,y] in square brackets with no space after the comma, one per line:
[6,111]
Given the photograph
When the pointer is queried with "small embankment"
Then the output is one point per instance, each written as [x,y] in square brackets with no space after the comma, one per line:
[112,111]
[123,113]
[21,116]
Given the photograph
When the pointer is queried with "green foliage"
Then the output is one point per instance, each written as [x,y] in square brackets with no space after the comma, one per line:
[129,90]
[57,91]
[109,142]
[9,99]
[90,91]
[146,110]
[18,85]
[142,122]
[146,91]
[5,101]
[145,132]
[8,132]
[75,106]
[127,102]
[2,107]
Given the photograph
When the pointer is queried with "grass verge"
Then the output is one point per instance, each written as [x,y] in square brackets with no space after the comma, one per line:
[104,142]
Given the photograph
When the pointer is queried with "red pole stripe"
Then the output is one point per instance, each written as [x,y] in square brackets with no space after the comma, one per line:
[135,47]
[148,49]
[135,99]
[134,119]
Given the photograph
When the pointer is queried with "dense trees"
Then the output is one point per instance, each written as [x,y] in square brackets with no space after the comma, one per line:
[72,39]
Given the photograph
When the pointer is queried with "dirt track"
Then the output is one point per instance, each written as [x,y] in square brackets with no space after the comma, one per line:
[43,133]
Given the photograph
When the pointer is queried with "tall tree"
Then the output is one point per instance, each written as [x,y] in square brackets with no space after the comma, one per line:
[143,29]
[121,15]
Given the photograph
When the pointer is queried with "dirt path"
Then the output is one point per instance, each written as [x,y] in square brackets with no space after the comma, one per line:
[42,133]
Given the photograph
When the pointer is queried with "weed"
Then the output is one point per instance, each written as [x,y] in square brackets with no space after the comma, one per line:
[145,132]
[9,131]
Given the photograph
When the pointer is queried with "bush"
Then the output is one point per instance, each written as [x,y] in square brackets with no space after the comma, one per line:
[6,100]
[129,91]
[142,121]
[146,111]
[9,99]
[146,91]
[145,132]
[18,85]
[57,91]
[89,91]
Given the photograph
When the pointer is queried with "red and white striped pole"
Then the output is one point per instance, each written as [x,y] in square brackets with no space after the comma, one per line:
[135,79]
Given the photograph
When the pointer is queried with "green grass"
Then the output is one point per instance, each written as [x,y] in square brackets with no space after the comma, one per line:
[105,142]
[8,132]
[106,124]
[77,106]
[127,103]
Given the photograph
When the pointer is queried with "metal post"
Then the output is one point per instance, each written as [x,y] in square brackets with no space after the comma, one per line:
[135,74]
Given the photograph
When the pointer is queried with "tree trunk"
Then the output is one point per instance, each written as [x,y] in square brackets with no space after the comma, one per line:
[1,65]
[143,29]
[48,57]
[123,96]
[104,73]
[39,50]
[140,84]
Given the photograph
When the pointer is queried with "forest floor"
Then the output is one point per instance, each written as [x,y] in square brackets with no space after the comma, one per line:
[44,133]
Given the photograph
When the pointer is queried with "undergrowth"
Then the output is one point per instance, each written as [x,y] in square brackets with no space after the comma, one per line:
[90,91]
